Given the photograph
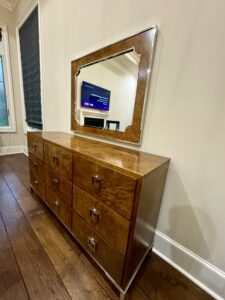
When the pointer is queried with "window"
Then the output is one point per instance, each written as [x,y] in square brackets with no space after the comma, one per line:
[7,119]
[3,105]
[30,65]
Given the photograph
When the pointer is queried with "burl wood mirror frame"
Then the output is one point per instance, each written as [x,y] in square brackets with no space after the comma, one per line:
[144,45]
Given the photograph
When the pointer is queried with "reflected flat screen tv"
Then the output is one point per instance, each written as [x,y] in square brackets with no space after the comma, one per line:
[93,96]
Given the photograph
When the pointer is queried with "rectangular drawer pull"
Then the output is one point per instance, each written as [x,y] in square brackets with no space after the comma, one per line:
[34,146]
[55,181]
[56,204]
[96,181]
[55,160]
[94,214]
[92,244]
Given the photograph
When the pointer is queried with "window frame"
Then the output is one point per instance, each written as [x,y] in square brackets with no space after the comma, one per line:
[8,82]
[25,17]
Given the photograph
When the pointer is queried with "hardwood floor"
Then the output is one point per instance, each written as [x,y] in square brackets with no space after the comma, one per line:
[40,260]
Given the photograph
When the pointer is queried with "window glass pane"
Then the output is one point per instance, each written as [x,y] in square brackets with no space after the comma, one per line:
[1,69]
[3,106]
[29,48]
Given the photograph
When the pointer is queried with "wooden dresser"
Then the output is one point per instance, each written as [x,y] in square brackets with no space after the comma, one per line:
[108,197]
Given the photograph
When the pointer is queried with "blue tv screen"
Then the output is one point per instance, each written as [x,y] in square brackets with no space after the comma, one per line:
[93,96]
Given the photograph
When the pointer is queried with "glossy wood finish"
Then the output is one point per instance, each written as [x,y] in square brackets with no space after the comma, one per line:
[110,225]
[127,161]
[114,189]
[59,184]
[37,185]
[59,207]
[35,146]
[59,159]
[143,44]
[78,276]
[37,167]
[145,214]
[111,260]
[113,179]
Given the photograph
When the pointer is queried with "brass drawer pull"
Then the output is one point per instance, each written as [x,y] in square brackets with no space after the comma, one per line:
[36,182]
[56,203]
[96,181]
[34,146]
[55,160]
[94,214]
[55,181]
[92,244]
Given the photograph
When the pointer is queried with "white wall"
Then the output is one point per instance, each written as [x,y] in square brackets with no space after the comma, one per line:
[120,80]
[185,112]
[17,138]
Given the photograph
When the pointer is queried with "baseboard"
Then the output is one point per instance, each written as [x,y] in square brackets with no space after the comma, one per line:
[25,150]
[198,270]
[11,150]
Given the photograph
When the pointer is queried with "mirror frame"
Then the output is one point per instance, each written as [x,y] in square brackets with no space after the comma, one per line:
[143,44]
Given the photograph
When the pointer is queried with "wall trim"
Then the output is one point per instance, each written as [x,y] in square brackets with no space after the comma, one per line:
[11,150]
[207,276]
[25,150]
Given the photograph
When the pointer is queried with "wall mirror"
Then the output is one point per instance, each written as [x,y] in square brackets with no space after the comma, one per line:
[110,87]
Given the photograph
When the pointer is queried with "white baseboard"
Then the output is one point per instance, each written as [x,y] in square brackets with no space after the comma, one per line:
[198,270]
[25,150]
[11,150]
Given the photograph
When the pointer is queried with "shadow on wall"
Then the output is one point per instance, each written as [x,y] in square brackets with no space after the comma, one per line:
[189,225]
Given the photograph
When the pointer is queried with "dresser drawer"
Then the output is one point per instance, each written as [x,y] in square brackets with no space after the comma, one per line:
[59,159]
[110,225]
[37,167]
[59,207]
[35,146]
[37,185]
[108,258]
[59,184]
[114,189]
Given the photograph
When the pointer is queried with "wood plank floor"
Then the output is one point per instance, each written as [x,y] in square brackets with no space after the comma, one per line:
[40,260]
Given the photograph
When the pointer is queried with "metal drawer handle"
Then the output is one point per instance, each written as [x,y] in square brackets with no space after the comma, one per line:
[36,182]
[96,181]
[56,203]
[34,146]
[92,244]
[55,159]
[55,181]
[94,214]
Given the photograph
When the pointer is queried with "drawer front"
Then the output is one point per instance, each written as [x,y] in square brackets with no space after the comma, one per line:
[108,258]
[37,185]
[114,189]
[63,212]
[110,225]
[59,159]
[59,184]
[35,146]
[37,167]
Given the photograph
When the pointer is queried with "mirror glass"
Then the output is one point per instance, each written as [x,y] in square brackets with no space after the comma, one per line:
[106,92]
[109,88]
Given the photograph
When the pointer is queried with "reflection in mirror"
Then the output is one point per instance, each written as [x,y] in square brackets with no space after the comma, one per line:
[110,88]
[106,92]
